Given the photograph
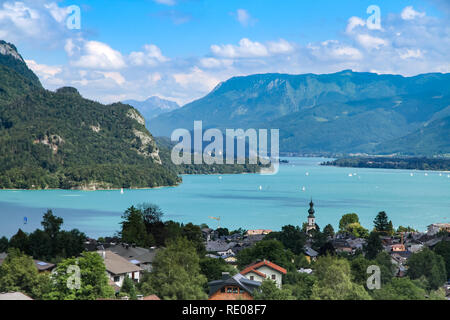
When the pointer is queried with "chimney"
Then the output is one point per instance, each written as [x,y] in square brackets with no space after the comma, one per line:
[225,275]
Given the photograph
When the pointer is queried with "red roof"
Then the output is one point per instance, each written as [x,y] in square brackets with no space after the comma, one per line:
[152,297]
[253,267]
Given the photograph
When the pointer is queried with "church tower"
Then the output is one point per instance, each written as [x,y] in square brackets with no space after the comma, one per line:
[311,218]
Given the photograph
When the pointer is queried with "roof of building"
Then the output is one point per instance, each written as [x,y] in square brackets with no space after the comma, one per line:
[311,252]
[14,296]
[215,246]
[255,266]
[236,280]
[135,255]
[40,265]
[258,232]
[151,297]
[116,264]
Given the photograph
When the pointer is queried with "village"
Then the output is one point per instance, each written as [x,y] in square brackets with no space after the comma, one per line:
[238,273]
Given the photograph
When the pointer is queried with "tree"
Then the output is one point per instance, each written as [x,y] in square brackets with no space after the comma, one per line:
[400,289]
[291,237]
[212,268]
[347,219]
[41,246]
[328,231]
[430,265]
[176,273]
[51,224]
[356,230]
[93,279]
[300,284]
[334,281]
[128,288]
[382,224]
[133,228]
[272,250]
[270,291]
[222,232]
[19,273]
[443,249]
[194,234]
[373,246]
[4,244]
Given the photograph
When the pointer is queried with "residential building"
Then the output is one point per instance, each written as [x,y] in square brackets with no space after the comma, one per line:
[118,268]
[262,270]
[258,232]
[237,287]
[310,254]
[138,256]
[41,266]
[434,228]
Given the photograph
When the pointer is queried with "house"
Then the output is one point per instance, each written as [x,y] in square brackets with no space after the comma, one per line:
[41,266]
[415,247]
[264,270]
[237,287]
[434,228]
[310,254]
[219,246]
[118,268]
[136,255]
[14,296]
[400,247]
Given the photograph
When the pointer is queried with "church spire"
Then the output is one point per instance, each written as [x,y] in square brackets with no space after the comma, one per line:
[311,209]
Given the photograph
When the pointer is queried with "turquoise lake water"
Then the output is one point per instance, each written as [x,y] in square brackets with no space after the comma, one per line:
[417,200]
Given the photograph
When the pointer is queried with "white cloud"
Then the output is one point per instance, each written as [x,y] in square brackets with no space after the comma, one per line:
[280,47]
[98,55]
[243,17]
[354,22]
[252,49]
[211,63]
[42,70]
[166,2]
[409,13]
[116,76]
[151,56]
[334,50]
[371,42]
[410,53]
[196,77]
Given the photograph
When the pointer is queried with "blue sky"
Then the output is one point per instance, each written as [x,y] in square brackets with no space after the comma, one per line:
[181,49]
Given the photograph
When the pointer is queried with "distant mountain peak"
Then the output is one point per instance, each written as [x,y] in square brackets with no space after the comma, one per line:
[11,58]
[9,49]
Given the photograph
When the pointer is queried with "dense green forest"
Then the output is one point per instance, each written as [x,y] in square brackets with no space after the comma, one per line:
[61,140]
[439,164]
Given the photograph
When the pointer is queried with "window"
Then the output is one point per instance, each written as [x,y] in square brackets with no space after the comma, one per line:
[222,290]
[274,277]
[229,290]
[252,278]
[116,278]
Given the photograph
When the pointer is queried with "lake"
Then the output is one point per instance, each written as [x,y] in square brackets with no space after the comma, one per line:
[251,201]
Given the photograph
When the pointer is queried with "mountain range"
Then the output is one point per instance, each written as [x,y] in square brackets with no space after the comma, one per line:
[344,112]
[152,107]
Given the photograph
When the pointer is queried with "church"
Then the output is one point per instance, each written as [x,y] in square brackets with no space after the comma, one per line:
[311,218]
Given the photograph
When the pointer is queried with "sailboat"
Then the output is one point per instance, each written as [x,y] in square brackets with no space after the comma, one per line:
[260,187]
[303,189]
[121,191]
